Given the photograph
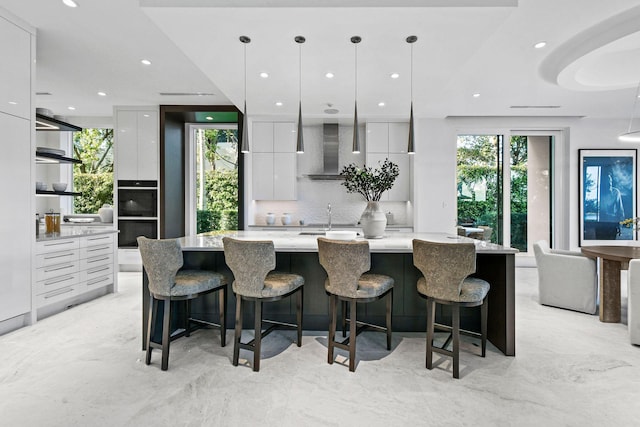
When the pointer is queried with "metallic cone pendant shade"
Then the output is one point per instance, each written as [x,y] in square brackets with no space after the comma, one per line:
[356,134]
[411,148]
[356,137]
[300,140]
[629,135]
[244,145]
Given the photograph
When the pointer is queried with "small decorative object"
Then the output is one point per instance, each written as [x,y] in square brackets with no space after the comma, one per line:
[607,195]
[286,218]
[106,213]
[59,186]
[271,218]
[371,183]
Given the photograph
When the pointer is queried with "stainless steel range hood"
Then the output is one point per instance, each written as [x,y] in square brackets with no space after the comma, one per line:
[330,149]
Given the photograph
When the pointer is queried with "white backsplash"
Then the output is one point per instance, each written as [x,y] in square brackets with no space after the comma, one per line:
[314,195]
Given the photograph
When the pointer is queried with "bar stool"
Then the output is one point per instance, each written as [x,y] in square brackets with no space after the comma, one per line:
[252,264]
[345,262]
[446,267]
[162,260]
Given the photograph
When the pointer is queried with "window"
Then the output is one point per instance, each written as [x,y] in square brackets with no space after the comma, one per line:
[94,177]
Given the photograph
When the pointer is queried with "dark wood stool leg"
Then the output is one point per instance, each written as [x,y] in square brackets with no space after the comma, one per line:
[484,312]
[332,326]
[344,319]
[258,335]
[352,336]
[222,304]
[166,334]
[389,330]
[431,313]
[238,334]
[187,316]
[455,313]
[151,326]
[299,299]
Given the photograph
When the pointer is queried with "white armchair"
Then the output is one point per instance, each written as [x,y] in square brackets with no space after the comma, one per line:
[566,279]
[633,301]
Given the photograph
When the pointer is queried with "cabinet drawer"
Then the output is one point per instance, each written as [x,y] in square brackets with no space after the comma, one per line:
[96,261]
[94,251]
[56,295]
[53,258]
[99,282]
[57,270]
[97,271]
[56,245]
[100,239]
[56,283]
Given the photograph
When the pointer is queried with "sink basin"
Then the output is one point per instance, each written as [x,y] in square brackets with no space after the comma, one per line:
[311,233]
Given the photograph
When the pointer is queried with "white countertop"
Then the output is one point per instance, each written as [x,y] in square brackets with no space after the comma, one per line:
[292,241]
[80,230]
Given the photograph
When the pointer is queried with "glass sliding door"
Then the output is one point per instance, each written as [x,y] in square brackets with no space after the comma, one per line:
[212,179]
[479,182]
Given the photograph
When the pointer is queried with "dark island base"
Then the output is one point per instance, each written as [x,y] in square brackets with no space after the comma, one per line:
[409,309]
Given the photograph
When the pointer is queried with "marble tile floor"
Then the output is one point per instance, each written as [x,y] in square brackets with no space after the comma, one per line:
[84,367]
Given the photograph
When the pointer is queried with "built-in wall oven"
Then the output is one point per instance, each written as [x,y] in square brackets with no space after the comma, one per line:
[137,211]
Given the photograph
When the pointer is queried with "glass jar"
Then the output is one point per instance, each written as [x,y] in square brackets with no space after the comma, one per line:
[52,222]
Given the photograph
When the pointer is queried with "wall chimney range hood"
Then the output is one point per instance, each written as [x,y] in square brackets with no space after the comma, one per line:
[330,149]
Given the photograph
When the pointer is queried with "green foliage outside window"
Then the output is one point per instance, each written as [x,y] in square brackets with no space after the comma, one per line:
[94,177]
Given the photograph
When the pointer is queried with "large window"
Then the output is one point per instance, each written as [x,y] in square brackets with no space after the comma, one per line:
[94,177]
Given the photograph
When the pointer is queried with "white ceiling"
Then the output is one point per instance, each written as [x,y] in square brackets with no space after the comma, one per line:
[590,66]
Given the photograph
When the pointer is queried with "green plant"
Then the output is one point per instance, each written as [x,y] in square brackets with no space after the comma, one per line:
[370,182]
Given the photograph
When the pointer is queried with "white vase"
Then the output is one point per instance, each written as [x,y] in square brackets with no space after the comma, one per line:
[373,221]
[270,218]
[106,213]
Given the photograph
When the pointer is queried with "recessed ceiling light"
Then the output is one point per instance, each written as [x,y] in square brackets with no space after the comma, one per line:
[209,118]
[395,75]
[278,104]
[102,94]
[264,75]
[13,103]
[381,104]
[329,75]
[145,115]
[476,95]
[70,3]
[540,44]
[146,62]
[71,108]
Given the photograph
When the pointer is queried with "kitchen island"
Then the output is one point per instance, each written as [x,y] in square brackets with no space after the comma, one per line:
[391,255]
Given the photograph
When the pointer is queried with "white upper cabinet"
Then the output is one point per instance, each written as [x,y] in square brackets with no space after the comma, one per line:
[273,161]
[137,148]
[15,71]
[389,140]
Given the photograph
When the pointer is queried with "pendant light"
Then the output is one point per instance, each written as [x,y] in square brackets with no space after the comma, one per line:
[629,135]
[411,145]
[244,146]
[356,137]
[300,141]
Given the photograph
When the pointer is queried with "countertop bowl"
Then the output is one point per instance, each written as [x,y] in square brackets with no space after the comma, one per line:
[59,186]
[341,234]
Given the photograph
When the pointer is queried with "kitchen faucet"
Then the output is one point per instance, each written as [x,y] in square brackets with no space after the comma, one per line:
[329,215]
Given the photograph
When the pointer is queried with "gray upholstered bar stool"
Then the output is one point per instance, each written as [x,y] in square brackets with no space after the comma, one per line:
[162,260]
[446,267]
[345,262]
[252,263]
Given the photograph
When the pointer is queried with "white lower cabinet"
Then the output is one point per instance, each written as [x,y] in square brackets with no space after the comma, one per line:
[67,269]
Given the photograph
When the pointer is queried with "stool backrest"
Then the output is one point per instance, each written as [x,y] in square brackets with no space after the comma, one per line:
[344,262]
[250,261]
[161,260]
[444,265]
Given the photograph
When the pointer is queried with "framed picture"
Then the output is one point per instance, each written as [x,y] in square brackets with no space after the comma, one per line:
[607,195]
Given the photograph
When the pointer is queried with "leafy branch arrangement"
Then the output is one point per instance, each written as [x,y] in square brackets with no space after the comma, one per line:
[370,182]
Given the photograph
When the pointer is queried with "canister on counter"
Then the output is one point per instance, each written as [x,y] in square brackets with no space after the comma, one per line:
[52,222]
